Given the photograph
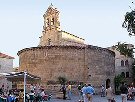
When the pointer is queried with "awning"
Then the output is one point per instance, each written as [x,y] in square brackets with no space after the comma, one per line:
[19,76]
[22,76]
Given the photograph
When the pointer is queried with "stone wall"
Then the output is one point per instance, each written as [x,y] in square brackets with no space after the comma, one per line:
[50,62]
[100,63]
[88,64]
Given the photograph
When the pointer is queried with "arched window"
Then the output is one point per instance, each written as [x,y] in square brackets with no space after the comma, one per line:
[122,63]
[52,22]
[123,74]
[47,21]
[126,63]
[49,41]
[108,83]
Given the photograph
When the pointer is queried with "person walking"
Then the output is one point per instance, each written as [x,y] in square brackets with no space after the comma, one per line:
[102,91]
[124,92]
[109,94]
[89,93]
[64,91]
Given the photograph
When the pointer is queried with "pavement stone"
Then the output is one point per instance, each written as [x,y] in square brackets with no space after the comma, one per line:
[96,98]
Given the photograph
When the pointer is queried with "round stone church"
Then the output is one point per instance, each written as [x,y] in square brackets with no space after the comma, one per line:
[62,54]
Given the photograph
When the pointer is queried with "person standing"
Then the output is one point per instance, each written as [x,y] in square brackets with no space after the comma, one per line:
[21,94]
[80,92]
[102,91]
[69,91]
[109,94]
[124,92]
[64,91]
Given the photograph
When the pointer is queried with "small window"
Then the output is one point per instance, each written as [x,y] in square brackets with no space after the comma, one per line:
[49,41]
[123,74]
[122,63]
[47,22]
[127,74]
[126,63]
[52,22]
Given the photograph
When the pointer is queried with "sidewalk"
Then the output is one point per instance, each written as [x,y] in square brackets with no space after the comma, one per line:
[96,98]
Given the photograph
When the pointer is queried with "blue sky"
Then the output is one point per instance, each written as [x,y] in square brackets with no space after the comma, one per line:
[97,21]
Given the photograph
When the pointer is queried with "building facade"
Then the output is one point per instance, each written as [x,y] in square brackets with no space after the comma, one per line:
[6,63]
[6,66]
[61,54]
[123,64]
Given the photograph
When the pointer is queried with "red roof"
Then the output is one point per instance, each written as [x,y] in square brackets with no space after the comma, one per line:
[2,55]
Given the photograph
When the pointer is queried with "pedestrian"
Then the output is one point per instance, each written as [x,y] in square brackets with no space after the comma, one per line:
[130,93]
[32,87]
[109,94]
[64,91]
[102,91]
[2,88]
[84,93]
[124,92]
[32,96]
[80,92]
[69,91]
[21,94]
[89,93]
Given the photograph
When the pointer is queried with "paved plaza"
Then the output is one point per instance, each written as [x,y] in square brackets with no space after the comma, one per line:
[96,98]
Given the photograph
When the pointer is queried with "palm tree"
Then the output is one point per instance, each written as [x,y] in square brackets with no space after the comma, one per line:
[125,50]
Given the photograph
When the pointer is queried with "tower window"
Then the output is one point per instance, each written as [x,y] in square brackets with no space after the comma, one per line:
[49,41]
[122,63]
[47,22]
[52,22]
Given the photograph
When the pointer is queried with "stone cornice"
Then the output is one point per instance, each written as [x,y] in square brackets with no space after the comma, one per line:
[101,49]
[48,47]
[67,46]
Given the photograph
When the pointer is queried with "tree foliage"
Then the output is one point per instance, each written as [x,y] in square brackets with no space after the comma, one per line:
[129,22]
[117,80]
[62,80]
[124,49]
[133,71]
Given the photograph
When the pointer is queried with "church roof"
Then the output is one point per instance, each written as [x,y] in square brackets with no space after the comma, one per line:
[72,34]
[2,55]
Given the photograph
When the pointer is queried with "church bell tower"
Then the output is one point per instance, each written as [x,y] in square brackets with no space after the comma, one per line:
[51,19]
[51,28]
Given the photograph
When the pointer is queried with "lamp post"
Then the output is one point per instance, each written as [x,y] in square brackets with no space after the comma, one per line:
[25,73]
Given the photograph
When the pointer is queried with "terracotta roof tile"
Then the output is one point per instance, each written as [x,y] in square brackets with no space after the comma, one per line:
[2,55]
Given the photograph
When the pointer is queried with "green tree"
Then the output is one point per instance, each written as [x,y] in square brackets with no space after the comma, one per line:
[129,22]
[117,81]
[133,72]
[125,50]
[62,80]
